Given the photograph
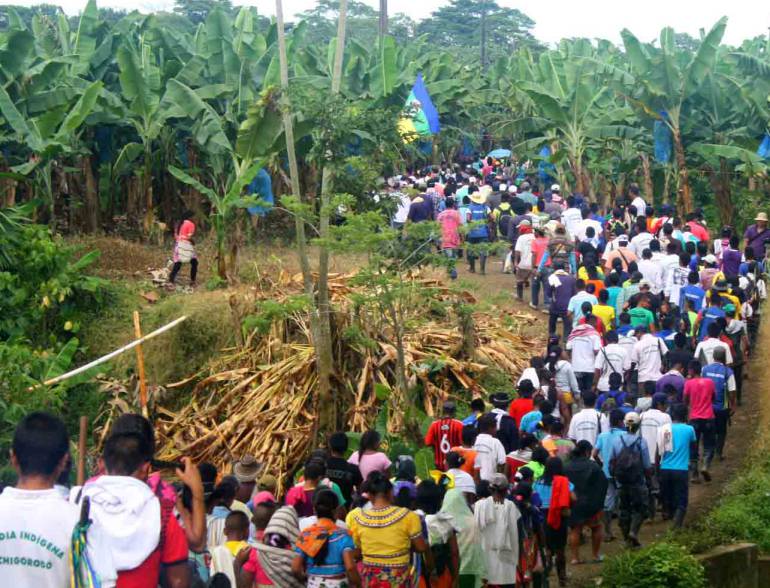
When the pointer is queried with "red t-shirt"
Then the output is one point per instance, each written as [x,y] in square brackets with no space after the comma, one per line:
[539,245]
[700,392]
[442,436]
[519,408]
[173,550]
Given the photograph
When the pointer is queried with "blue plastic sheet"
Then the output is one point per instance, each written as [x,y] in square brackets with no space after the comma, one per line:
[764,147]
[262,186]
[545,169]
[661,136]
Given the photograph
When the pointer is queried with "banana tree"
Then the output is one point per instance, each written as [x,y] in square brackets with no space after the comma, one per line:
[233,165]
[664,78]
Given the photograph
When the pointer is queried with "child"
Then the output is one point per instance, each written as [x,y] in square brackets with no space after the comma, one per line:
[645,402]
[477,409]
[184,250]
[223,556]
[252,572]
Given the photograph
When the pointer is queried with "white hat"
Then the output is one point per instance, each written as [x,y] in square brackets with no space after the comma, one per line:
[632,418]
[643,283]
[503,187]
[472,179]
[555,188]
[710,259]
[512,189]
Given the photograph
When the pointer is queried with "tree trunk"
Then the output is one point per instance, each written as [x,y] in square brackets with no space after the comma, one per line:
[684,195]
[383,18]
[577,167]
[149,214]
[91,196]
[647,176]
[483,39]
[722,192]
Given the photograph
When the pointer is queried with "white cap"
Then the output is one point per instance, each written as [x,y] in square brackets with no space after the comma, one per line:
[555,188]
[513,189]
[643,283]
[472,179]
[503,187]
[710,258]
[631,418]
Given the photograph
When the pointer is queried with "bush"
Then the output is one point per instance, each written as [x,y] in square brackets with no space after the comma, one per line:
[663,564]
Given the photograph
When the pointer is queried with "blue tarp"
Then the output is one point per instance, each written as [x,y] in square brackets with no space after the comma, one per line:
[661,136]
[545,168]
[262,186]
[421,93]
[764,147]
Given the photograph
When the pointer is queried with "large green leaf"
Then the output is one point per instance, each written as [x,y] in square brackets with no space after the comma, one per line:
[257,134]
[18,49]
[384,73]
[85,38]
[134,84]
[223,62]
[635,53]
[208,129]
[703,61]
[18,122]
[79,112]
[127,155]
[186,178]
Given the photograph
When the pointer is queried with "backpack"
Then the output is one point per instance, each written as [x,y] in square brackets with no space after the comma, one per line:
[627,467]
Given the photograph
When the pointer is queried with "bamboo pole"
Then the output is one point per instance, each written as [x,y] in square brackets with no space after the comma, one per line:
[140,365]
[81,470]
[109,356]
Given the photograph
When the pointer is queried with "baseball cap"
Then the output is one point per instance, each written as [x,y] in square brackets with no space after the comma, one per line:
[555,188]
[631,418]
[645,283]
[512,189]
[503,187]
[710,258]
[499,482]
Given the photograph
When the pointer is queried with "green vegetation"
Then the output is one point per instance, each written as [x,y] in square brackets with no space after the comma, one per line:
[663,564]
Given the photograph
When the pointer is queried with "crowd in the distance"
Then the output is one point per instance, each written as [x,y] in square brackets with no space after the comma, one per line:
[626,407]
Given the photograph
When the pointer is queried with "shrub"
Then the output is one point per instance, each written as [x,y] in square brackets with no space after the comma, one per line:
[663,564]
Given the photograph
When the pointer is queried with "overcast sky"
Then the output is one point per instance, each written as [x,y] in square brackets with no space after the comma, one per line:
[554,19]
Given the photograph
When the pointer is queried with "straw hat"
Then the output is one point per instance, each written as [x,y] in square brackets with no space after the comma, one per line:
[478,198]
[247,469]
[761,217]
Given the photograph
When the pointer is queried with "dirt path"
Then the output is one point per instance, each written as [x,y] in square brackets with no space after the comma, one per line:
[500,288]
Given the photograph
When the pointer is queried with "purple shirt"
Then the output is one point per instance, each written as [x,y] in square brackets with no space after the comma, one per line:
[675,379]
[562,293]
[731,261]
[756,240]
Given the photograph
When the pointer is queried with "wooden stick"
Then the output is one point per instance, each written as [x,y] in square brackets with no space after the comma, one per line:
[140,365]
[115,353]
[81,471]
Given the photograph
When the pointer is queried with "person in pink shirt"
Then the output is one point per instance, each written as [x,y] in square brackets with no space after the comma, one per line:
[450,222]
[368,458]
[699,394]
[184,250]
[247,561]
[539,246]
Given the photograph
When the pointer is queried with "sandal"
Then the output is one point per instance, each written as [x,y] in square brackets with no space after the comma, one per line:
[577,562]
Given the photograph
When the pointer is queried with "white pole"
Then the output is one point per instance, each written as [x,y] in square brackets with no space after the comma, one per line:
[115,353]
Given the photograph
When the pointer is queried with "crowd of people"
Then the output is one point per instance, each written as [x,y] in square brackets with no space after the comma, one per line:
[628,405]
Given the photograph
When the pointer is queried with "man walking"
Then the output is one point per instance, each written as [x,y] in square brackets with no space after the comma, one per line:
[676,443]
[699,394]
[562,288]
[724,397]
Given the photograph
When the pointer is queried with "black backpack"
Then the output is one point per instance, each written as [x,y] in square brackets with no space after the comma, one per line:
[627,466]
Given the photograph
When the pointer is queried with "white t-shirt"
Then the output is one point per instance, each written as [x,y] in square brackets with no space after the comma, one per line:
[571,219]
[614,354]
[640,205]
[652,420]
[35,532]
[524,247]
[584,351]
[490,453]
[647,356]
[530,374]
[587,424]
[653,272]
[704,352]
[404,202]
[641,242]
[598,230]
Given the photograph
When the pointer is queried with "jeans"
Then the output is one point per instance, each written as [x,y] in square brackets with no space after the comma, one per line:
[674,491]
[705,431]
[585,381]
[536,282]
[720,429]
[554,317]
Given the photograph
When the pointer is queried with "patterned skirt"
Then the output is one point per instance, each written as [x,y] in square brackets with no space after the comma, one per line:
[326,582]
[375,576]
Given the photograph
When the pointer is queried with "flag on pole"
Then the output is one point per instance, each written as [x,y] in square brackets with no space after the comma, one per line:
[420,116]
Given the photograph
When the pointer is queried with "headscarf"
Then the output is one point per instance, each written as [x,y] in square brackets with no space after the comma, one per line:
[276,561]
[472,560]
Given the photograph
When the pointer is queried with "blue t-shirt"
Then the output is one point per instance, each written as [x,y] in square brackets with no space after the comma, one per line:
[530,420]
[604,443]
[575,304]
[544,491]
[720,374]
[471,420]
[626,440]
[333,564]
[710,314]
[478,214]
[619,396]
[694,293]
[682,435]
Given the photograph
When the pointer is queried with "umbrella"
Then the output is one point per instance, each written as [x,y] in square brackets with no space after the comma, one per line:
[499,153]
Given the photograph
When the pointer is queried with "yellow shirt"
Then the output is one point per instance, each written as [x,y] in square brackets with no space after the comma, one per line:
[385,535]
[606,314]
[235,546]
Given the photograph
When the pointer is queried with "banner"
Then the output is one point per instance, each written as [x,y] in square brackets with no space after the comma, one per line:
[420,116]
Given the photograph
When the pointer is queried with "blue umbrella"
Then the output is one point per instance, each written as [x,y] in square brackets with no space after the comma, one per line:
[499,153]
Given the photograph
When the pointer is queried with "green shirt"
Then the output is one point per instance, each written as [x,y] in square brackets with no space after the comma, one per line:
[537,468]
[641,316]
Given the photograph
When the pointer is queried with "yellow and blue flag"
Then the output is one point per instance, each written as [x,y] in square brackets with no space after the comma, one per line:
[420,115]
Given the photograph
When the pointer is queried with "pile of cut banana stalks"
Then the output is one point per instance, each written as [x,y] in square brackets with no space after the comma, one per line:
[260,398]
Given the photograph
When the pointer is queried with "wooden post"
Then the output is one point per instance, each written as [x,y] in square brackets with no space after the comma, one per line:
[140,365]
[81,469]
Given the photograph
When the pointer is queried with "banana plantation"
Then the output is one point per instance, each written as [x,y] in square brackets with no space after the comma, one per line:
[127,119]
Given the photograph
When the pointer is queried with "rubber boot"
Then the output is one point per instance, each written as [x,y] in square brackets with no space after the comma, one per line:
[483,264]
[678,518]
[472,264]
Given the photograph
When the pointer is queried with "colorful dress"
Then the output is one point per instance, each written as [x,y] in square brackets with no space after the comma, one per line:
[384,536]
[322,547]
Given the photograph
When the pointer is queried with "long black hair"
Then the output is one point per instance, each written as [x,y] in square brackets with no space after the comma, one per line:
[369,440]
[553,467]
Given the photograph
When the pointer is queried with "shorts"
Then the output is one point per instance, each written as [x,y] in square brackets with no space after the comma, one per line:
[611,498]
[523,276]
[594,522]
[555,539]
[567,398]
